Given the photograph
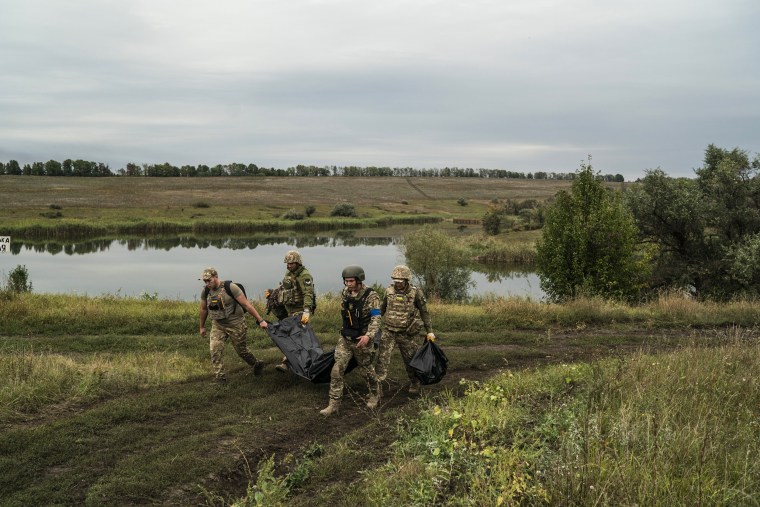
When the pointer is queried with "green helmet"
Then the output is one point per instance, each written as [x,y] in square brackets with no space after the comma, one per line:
[353,271]
[293,256]
[401,272]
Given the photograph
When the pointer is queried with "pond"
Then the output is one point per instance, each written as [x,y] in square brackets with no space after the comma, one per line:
[170,267]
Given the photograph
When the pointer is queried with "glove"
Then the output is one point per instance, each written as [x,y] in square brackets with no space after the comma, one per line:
[430,337]
[305,317]
[267,293]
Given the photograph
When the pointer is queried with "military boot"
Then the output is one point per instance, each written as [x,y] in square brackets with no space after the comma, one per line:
[373,401]
[414,388]
[332,408]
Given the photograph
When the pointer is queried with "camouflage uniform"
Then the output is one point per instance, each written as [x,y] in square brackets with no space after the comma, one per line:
[346,347]
[227,322]
[404,314]
[297,291]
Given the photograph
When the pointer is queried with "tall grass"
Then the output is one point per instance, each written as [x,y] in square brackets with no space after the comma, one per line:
[650,430]
[488,249]
[113,227]
[51,314]
[31,380]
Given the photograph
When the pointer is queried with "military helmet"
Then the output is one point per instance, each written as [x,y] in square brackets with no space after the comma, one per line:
[401,272]
[293,256]
[353,271]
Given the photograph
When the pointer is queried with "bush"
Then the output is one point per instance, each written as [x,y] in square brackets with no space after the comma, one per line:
[492,222]
[309,210]
[462,201]
[439,263]
[18,280]
[292,214]
[344,210]
[201,204]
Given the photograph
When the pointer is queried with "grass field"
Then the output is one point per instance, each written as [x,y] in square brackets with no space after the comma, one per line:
[109,401]
[27,199]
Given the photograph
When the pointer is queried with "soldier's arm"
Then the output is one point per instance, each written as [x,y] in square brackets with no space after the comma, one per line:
[421,303]
[372,306]
[204,314]
[307,287]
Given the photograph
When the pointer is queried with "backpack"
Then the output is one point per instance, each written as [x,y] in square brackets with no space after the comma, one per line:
[227,289]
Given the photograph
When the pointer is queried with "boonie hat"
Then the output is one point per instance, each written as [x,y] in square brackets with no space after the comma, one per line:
[208,273]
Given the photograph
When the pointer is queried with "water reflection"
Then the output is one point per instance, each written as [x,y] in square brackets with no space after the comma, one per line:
[169,266]
[166,244]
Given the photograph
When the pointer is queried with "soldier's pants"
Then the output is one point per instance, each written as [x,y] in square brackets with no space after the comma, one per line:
[236,333]
[344,350]
[407,345]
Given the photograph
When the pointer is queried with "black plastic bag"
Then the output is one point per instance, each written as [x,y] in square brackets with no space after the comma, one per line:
[303,350]
[429,363]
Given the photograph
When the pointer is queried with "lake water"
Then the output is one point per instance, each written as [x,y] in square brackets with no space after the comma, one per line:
[170,268]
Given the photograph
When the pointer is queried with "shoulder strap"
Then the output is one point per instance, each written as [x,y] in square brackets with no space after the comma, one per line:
[227,284]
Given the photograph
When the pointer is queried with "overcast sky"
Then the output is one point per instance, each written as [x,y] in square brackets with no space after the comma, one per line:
[523,85]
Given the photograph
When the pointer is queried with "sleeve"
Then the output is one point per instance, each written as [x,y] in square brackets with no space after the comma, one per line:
[235,291]
[372,306]
[307,287]
[421,303]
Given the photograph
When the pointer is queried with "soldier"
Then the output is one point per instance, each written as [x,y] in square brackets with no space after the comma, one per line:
[227,321]
[296,294]
[404,311]
[361,323]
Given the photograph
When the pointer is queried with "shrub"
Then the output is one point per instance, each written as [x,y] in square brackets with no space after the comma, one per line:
[18,280]
[201,204]
[292,214]
[462,201]
[309,210]
[344,210]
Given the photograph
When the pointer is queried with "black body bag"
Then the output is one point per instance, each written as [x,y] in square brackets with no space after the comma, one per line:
[303,350]
[429,363]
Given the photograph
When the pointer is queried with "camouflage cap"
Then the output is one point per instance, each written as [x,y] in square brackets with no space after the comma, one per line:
[208,273]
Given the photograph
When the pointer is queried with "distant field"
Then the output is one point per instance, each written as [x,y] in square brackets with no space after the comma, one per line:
[254,198]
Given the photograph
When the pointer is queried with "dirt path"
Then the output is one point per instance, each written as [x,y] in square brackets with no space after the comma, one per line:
[354,416]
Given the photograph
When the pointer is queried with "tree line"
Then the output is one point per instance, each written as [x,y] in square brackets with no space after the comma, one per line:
[88,168]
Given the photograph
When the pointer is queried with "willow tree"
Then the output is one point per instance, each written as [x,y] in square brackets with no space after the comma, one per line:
[589,244]
[438,263]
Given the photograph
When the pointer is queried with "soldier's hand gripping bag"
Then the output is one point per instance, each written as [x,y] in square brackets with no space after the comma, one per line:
[429,363]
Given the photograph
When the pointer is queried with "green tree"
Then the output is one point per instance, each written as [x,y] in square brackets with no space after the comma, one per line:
[589,244]
[705,229]
[18,280]
[672,214]
[438,263]
[492,221]
[13,168]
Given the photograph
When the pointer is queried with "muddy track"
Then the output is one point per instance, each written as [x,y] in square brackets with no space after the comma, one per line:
[396,402]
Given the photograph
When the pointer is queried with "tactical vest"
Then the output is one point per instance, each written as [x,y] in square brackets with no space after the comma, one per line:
[400,312]
[220,304]
[355,324]
[291,294]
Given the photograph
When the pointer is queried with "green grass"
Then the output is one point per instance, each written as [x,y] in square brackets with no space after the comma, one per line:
[648,430]
[111,206]
[54,314]
[106,417]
